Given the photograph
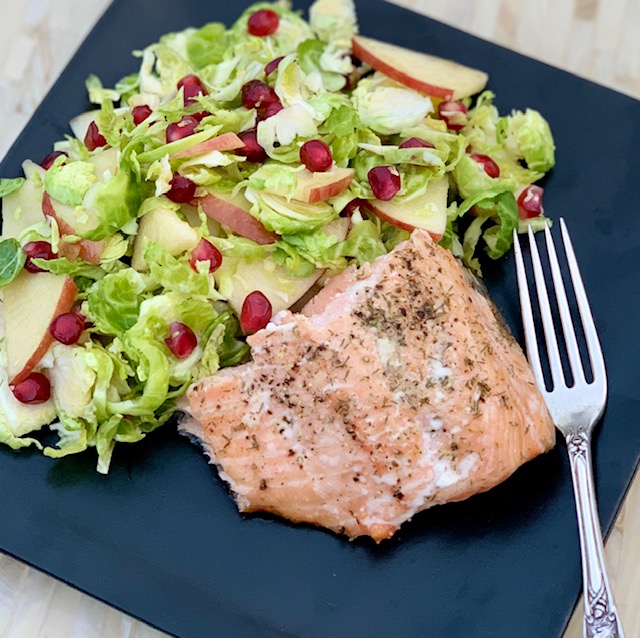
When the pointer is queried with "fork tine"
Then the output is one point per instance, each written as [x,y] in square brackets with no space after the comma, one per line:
[527,314]
[553,352]
[563,306]
[591,335]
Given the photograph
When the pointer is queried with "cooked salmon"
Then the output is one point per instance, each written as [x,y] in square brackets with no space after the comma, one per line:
[398,387]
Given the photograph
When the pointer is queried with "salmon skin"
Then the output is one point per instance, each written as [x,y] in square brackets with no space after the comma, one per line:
[398,387]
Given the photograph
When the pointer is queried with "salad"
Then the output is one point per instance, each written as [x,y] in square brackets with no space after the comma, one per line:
[220,183]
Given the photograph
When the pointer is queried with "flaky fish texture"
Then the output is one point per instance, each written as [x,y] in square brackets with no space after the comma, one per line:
[398,387]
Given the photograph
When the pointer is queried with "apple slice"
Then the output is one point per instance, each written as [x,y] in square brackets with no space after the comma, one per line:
[236,278]
[438,77]
[86,249]
[233,213]
[21,209]
[164,227]
[105,161]
[31,302]
[316,187]
[224,142]
[428,212]
[80,123]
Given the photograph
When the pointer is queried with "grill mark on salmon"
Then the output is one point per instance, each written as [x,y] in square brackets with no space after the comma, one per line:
[395,389]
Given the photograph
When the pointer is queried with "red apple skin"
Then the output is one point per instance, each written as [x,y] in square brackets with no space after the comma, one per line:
[86,249]
[65,303]
[224,142]
[377,208]
[234,217]
[69,251]
[322,193]
[370,58]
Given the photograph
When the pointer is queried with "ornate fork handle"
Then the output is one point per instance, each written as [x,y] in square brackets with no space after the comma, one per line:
[601,617]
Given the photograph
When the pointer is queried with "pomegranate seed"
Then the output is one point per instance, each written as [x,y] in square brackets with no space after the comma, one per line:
[256,93]
[37,250]
[94,139]
[181,340]
[352,207]
[530,202]
[48,160]
[263,22]
[140,113]
[191,86]
[269,111]
[273,65]
[67,328]
[182,189]
[385,182]
[490,167]
[252,150]
[178,130]
[34,389]
[316,156]
[206,251]
[454,114]
[414,142]
[256,312]
[77,310]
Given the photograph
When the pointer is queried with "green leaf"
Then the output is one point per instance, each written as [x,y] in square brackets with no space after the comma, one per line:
[113,302]
[499,238]
[528,135]
[154,369]
[97,93]
[207,45]
[127,86]
[172,274]
[116,203]
[288,217]
[343,124]
[232,350]
[15,442]
[8,185]
[77,268]
[12,259]
[68,182]
[363,243]
[388,107]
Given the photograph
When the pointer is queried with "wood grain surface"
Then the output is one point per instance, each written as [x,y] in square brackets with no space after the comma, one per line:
[595,39]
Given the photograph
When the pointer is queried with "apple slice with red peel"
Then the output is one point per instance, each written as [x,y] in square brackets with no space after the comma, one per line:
[224,142]
[90,251]
[318,187]
[233,212]
[428,212]
[236,278]
[438,77]
[31,302]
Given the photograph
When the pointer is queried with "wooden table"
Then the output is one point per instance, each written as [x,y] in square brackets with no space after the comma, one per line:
[595,39]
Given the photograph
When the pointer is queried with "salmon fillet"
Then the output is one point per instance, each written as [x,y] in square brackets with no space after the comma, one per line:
[397,388]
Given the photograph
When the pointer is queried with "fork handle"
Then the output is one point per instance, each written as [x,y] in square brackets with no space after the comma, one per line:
[600,615]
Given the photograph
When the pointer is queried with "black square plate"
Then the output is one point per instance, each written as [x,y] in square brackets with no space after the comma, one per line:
[160,538]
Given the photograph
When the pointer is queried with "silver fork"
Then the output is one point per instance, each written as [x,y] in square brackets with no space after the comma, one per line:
[575,410]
